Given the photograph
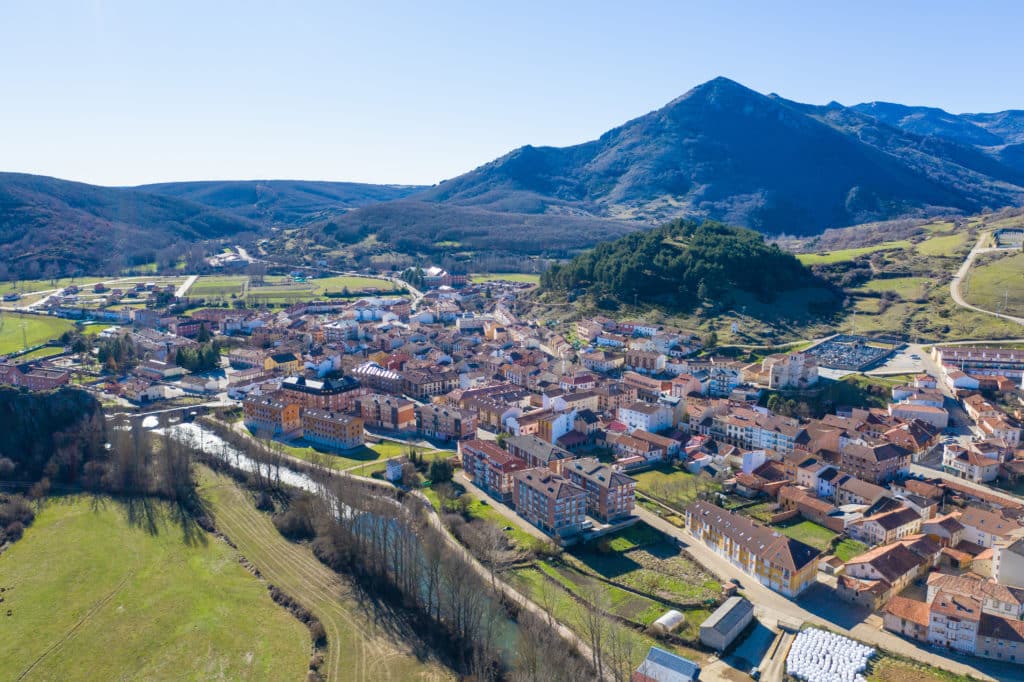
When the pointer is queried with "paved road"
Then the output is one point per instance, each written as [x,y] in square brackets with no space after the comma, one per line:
[961,274]
[819,606]
[937,473]
[183,289]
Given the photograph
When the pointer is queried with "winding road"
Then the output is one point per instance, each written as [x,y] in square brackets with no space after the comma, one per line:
[961,274]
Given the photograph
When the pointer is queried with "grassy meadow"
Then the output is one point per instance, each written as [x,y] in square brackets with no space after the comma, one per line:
[97,590]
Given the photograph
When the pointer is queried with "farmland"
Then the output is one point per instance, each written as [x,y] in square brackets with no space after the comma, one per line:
[361,646]
[95,595]
[278,290]
[849,254]
[523,277]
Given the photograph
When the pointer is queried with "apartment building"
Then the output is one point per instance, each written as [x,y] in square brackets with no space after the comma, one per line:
[774,560]
[332,429]
[611,494]
[444,422]
[537,452]
[554,504]
[337,395]
[953,622]
[490,467]
[874,462]
[386,412]
[646,417]
[271,415]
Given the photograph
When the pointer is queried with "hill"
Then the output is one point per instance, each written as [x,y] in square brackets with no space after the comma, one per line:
[51,227]
[727,152]
[682,265]
[432,228]
[281,201]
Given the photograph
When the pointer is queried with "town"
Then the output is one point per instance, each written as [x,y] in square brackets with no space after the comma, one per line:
[907,509]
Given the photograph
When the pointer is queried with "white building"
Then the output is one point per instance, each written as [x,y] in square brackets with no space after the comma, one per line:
[646,417]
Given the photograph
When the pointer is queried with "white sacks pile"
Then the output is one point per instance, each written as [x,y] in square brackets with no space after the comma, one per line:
[820,656]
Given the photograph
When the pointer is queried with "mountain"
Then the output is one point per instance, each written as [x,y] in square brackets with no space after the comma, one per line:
[282,201]
[999,135]
[727,152]
[56,227]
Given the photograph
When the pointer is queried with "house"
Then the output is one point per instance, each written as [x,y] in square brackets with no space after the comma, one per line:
[882,529]
[953,622]
[994,598]
[984,528]
[662,666]
[490,468]
[1008,562]
[332,429]
[724,625]
[776,561]
[611,494]
[907,617]
[552,503]
[852,490]
[970,463]
[945,530]
[1000,638]
[895,565]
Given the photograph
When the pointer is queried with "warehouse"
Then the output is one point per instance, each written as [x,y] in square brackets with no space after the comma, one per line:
[726,623]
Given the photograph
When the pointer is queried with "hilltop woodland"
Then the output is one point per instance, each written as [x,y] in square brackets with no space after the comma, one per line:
[682,265]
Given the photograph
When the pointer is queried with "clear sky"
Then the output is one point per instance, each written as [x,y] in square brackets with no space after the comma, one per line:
[145,91]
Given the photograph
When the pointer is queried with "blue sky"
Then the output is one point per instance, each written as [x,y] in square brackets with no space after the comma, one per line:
[134,92]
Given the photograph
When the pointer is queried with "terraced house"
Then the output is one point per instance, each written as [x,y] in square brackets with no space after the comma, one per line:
[776,561]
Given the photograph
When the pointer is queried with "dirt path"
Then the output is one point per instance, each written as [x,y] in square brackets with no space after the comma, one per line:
[356,647]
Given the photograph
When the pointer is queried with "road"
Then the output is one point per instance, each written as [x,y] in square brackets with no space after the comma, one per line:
[183,289]
[938,473]
[961,274]
[819,601]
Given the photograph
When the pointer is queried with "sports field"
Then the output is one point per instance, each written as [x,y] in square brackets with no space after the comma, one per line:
[19,331]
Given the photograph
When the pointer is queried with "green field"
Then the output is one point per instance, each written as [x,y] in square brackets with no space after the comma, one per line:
[849,254]
[19,331]
[217,287]
[908,288]
[997,285]
[808,533]
[528,278]
[367,459]
[352,283]
[675,487]
[361,644]
[847,549]
[942,245]
[25,286]
[93,596]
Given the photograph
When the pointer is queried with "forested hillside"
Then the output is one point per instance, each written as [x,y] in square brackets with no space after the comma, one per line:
[681,265]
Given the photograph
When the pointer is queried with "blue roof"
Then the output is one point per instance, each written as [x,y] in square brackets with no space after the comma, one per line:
[663,666]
